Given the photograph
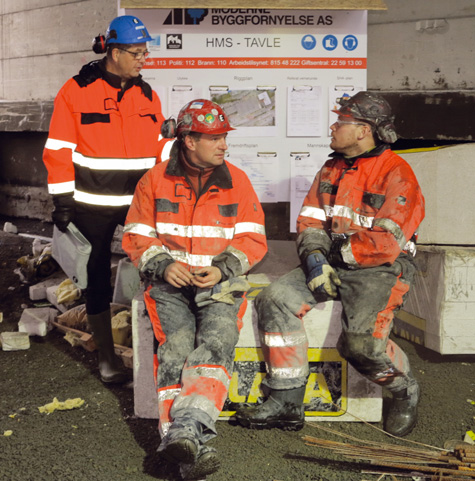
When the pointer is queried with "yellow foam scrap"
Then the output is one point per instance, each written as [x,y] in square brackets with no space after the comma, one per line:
[61,405]
[67,292]
[9,432]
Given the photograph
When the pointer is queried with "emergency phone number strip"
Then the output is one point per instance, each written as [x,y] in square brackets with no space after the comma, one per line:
[274,62]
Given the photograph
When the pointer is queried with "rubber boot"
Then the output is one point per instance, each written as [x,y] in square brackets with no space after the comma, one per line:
[206,463]
[283,409]
[108,362]
[402,414]
[182,441]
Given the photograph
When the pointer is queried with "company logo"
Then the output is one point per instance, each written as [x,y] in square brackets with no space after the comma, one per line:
[330,42]
[186,16]
[326,393]
[309,42]
[350,42]
[174,41]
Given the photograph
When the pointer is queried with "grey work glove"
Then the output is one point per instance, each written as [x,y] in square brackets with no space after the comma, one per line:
[64,210]
[321,277]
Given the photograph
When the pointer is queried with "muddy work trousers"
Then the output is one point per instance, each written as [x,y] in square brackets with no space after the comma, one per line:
[195,353]
[369,298]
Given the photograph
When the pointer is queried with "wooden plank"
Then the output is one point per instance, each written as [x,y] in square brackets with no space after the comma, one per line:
[258,4]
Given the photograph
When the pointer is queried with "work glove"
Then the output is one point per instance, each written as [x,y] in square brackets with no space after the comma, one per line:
[64,210]
[321,277]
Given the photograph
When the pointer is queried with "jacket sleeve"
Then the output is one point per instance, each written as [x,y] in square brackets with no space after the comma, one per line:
[249,243]
[311,223]
[394,225]
[61,142]
[140,240]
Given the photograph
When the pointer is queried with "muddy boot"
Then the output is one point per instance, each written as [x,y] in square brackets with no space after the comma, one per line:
[206,463]
[108,362]
[402,414]
[283,410]
[182,441]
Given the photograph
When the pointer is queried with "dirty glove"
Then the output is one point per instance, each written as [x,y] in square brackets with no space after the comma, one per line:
[321,277]
[64,210]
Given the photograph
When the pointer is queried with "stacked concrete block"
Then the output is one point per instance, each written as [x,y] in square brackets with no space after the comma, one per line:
[439,311]
[37,321]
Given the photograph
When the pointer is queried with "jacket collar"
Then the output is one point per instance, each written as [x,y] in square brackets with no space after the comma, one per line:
[221,177]
[96,69]
[378,150]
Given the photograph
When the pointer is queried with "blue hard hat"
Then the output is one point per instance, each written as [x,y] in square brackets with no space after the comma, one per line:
[127,30]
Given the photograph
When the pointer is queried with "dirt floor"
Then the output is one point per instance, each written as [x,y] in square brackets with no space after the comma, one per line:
[103,440]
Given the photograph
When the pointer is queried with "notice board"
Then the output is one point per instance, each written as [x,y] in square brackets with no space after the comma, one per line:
[276,73]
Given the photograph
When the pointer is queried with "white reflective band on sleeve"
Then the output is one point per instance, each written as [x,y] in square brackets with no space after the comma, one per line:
[245,227]
[192,259]
[140,229]
[163,428]
[346,212]
[54,144]
[150,253]
[95,163]
[165,155]
[245,266]
[392,227]
[288,372]
[313,212]
[285,340]
[110,200]
[61,188]
[195,230]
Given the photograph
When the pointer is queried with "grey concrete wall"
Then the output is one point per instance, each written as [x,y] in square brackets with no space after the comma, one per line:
[45,42]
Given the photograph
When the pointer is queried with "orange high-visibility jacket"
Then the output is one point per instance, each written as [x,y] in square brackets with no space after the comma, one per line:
[376,202]
[102,139]
[224,226]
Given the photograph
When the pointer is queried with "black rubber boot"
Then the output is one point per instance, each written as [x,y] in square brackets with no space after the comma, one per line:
[283,410]
[182,441]
[108,362]
[206,463]
[402,414]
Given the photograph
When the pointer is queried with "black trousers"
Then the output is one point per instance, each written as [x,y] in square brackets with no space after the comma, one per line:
[98,225]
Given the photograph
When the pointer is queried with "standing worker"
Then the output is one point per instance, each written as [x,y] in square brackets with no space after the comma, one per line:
[103,136]
[356,241]
[194,228]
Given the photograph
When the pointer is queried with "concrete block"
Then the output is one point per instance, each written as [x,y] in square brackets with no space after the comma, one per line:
[9,227]
[14,341]
[446,194]
[37,321]
[335,391]
[38,291]
[127,282]
[439,312]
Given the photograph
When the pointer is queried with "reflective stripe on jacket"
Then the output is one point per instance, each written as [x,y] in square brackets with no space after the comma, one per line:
[376,203]
[102,139]
[167,221]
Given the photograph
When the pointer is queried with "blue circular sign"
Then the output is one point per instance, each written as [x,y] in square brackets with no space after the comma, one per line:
[350,42]
[330,42]
[309,42]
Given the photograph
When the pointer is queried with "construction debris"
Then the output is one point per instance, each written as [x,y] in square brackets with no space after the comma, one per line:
[14,341]
[429,463]
[61,405]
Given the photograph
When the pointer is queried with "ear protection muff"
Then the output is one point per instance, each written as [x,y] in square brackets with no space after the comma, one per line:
[168,129]
[99,44]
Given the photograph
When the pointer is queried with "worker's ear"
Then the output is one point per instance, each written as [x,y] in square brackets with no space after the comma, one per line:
[365,131]
[115,54]
[190,142]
